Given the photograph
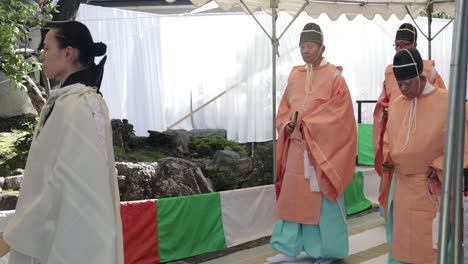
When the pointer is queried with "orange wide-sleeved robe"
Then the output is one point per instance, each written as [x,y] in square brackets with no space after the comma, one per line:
[390,92]
[326,128]
[414,207]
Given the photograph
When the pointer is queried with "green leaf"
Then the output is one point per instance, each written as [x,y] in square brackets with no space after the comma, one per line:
[16,21]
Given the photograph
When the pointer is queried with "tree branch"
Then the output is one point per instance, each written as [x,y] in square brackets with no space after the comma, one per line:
[34,94]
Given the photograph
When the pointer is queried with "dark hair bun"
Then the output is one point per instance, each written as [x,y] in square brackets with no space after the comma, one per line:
[97,49]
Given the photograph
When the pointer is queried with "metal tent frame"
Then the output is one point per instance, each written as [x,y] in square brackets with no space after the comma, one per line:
[454,147]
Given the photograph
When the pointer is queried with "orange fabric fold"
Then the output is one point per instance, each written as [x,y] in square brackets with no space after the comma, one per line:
[325,132]
[331,136]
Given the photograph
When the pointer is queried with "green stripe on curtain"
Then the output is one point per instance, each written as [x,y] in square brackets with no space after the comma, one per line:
[365,145]
[354,195]
[189,226]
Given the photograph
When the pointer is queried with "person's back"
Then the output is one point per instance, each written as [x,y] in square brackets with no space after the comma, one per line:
[68,209]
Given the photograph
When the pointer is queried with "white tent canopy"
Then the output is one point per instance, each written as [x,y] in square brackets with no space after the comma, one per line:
[369,9]
[335,8]
[158,66]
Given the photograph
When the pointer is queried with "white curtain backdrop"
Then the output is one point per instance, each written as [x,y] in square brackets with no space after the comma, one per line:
[161,67]
[132,76]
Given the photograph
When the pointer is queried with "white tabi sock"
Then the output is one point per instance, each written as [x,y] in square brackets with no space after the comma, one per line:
[281,258]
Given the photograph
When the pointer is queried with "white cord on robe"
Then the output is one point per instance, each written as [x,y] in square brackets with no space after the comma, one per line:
[410,117]
[410,121]
[310,76]
[310,73]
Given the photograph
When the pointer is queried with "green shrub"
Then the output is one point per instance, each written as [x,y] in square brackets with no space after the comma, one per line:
[15,144]
[137,155]
[207,146]
[16,21]
[224,178]
[262,172]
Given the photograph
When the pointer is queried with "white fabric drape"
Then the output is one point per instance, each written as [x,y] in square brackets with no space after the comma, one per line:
[161,67]
[257,207]
[132,77]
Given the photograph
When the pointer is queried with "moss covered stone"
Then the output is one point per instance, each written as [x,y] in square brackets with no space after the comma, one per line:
[209,145]
[144,154]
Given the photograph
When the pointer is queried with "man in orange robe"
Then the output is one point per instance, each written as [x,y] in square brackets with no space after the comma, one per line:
[414,144]
[406,37]
[316,157]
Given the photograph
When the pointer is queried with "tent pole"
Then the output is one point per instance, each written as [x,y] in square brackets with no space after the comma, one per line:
[454,144]
[274,51]
[429,10]
[461,82]
[306,3]
[253,16]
